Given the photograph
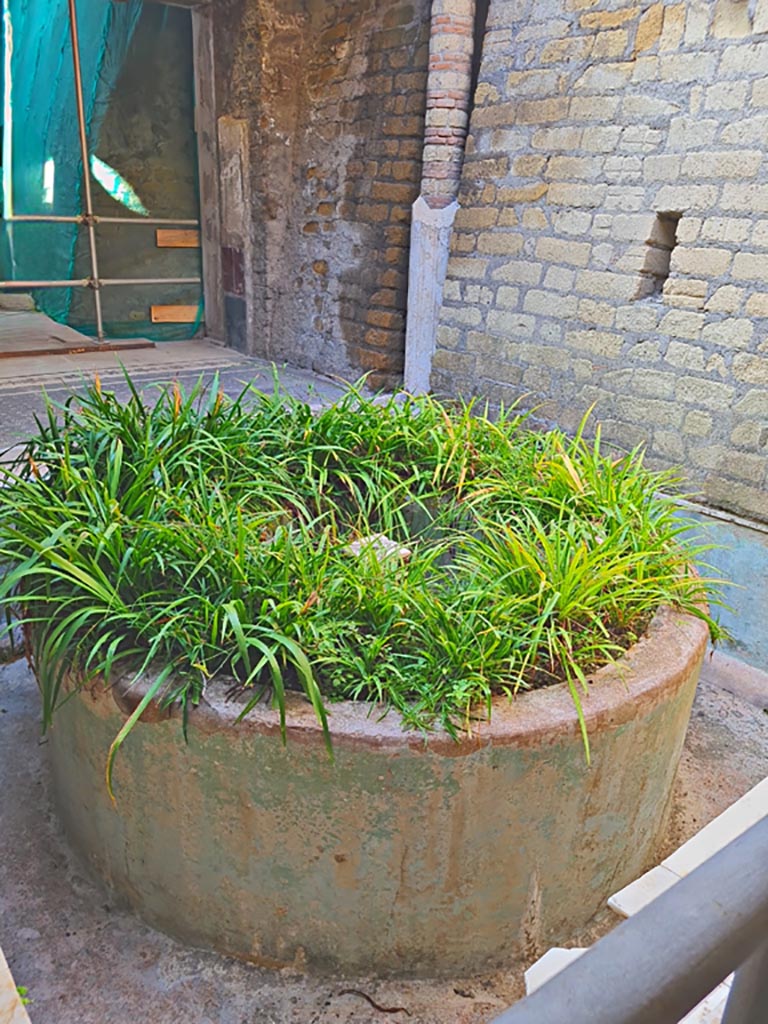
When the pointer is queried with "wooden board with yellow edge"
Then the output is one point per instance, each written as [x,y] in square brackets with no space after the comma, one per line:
[173,314]
[177,238]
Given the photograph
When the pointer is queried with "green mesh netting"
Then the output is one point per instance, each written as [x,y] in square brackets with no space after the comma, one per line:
[42,134]
[120,43]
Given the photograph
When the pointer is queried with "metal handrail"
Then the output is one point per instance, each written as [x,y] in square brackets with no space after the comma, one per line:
[662,962]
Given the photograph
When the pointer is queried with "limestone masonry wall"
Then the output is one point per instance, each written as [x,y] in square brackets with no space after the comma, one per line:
[332,96]
[612,245]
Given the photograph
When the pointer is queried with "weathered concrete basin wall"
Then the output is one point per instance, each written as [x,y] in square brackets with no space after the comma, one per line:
[614,145]
[406,856]
[332,99]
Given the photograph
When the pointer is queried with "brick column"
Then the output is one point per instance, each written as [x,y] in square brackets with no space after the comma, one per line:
[448,98]
[448,86]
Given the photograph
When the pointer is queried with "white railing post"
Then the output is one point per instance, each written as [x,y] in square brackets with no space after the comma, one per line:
[748,1001]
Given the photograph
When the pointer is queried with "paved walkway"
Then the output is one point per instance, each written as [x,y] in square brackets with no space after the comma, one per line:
[23,378]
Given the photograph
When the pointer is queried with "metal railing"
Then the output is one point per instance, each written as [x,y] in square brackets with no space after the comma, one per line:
[88,218]
[662,962]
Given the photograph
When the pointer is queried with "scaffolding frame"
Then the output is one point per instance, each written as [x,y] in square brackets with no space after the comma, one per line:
[88,218]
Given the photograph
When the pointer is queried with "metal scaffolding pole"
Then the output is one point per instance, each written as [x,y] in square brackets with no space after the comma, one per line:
[105,282]
[81,124]
[82,283]
[110,281]
[88,218]
[147,220]
[43,218]
[81,218]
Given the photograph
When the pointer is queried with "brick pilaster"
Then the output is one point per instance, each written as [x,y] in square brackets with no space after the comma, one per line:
[448,98]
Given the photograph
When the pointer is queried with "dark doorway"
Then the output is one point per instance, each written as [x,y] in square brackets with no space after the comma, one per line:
[147,160]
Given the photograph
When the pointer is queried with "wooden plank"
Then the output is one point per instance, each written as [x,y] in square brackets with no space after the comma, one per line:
[178,3]
[173,314]
[35,334]
[77,350]
[208,168]
[177,238]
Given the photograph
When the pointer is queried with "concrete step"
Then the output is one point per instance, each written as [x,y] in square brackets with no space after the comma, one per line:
[547,966]
[711,1009]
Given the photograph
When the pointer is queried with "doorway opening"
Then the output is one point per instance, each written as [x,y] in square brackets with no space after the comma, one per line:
[101,207]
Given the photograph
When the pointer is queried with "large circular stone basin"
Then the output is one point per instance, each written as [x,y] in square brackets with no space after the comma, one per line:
[407,855]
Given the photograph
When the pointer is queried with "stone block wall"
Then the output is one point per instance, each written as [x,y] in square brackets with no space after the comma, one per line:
[612,246]
[333,96]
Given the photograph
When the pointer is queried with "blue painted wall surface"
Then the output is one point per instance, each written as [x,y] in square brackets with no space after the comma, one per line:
[742,558]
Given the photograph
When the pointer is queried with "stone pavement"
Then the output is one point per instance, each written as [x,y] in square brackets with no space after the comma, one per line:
[23,378]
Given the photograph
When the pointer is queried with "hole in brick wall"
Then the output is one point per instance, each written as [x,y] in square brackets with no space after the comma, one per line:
[481,24]
[658,256]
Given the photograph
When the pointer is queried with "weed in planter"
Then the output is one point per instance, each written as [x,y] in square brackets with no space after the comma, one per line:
[418,555]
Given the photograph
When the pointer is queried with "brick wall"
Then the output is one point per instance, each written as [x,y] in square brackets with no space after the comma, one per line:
[592,118]
[334,96]
[451,49]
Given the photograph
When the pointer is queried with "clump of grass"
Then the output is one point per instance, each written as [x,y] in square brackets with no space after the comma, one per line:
[200,537]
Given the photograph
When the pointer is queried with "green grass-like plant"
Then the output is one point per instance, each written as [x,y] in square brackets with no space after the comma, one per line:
[196,537]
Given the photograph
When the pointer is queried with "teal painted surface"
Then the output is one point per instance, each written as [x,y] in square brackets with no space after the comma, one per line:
[43,127]
[741,556]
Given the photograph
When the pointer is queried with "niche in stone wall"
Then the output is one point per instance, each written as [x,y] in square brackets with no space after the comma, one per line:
[482,11]
[658,254]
